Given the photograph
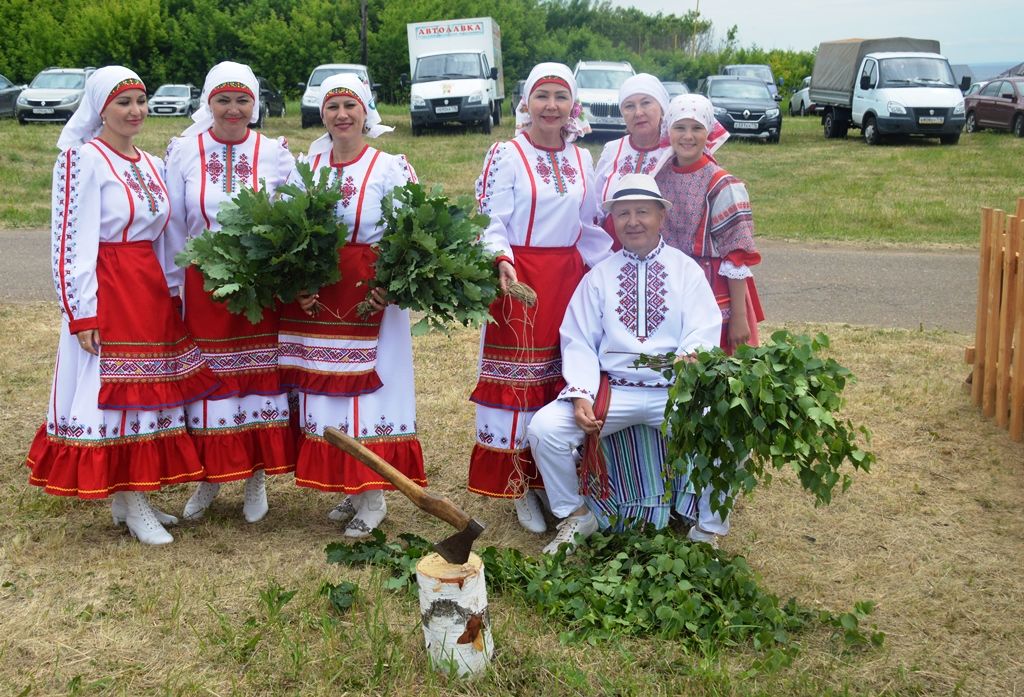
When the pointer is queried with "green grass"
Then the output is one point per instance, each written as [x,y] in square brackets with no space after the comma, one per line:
[806,188]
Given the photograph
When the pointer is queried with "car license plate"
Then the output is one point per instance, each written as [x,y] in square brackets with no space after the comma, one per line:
[746,125]
[931,120]
[42,111]
[453,109]
[164,110]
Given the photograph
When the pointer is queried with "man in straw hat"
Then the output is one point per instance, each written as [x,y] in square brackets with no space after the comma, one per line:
[647,298]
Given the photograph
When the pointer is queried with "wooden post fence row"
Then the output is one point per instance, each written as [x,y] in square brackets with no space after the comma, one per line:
[997,378]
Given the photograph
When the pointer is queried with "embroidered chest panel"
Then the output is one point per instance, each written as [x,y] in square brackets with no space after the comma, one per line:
[641,297]
[143,187]
[346,185]
[639,163]
[229,168]
[555,170]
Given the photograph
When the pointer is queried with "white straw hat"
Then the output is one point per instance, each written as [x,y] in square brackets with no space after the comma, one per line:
[635,187]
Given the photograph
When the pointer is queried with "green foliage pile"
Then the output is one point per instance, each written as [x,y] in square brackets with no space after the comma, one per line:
[732,420]
[431,259]
[270,249]
[638,583]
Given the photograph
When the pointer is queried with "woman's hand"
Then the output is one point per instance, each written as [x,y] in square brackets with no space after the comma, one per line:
[583,412]
[377,299]
[739,330]
[89,340]
[307,301]
[506,276]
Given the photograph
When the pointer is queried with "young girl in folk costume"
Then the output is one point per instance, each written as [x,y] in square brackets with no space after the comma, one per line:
[125,364]
[242,430]
[642,102]
[352,372]
[541,195]
[710,218]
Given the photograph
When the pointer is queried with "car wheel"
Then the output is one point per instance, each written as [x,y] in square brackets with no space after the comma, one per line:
[803,109]
[417,130]
[1018,126]
[971,124]
[871,134]
[22,121]
[496,114]
[831,128]
[775,138]
[487,124]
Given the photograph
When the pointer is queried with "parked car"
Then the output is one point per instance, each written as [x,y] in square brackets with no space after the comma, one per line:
[53,95]
[675,89]
[975,87]
[744,106]
[8,96]
[174,100]
[800,103]
[998,105]
[310,106]
[271,101]
[597,85]
[757,71]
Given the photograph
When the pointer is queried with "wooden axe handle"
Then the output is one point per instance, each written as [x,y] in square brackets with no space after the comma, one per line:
[436,506]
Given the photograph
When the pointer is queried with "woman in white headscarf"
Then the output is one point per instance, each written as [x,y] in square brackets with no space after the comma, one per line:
[711,219]
[541,195]
[642,102]
[125,365]
[241,431]
[352,372]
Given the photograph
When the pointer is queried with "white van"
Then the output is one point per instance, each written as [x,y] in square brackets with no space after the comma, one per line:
[311,97]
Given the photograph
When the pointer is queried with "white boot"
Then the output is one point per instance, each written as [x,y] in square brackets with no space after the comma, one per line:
[196,507]
[370,511]
[119,511]
[529,512]
[697,535]
[345,510]
[255,506]
[572,531]
[141,522]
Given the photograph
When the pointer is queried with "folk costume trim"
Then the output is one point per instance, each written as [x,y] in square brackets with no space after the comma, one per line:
[230,86]
[129,83]
[642,291]
[533,191]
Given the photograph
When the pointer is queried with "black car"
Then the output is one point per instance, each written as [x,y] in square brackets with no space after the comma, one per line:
[744,106]
[271,102]
[8,95]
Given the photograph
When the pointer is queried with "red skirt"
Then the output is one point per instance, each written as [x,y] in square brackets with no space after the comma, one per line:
[335,352]
[720,287]
[147,360]
[521,365]
[241,354]
[327,468]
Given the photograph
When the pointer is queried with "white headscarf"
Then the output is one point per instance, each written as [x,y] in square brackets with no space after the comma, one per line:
[352,85]
[558,74]
[100,88]
[647,84]
[224,77]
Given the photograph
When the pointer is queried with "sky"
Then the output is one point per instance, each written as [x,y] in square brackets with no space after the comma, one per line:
[974,31]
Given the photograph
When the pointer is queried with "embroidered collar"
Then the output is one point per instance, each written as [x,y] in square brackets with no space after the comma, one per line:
[651,255]
[541,147]
[692,167]
[658,145]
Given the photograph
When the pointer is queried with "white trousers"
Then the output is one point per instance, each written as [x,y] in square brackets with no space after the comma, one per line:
[554,436]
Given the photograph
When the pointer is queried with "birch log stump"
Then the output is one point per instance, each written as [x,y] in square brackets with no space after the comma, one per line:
[453,605]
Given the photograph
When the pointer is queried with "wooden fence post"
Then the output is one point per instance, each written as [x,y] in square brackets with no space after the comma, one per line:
[985,250]
[1017,371]
[1007,315]
[993,303]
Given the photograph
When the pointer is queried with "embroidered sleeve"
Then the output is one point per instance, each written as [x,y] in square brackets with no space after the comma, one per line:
[702,320]
[175,235]
[734,271]
[495,195]
[731,223]
[581,334]
[594,245]
[405,172]
[75,238]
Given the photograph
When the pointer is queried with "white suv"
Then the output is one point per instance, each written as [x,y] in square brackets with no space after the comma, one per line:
[597,83]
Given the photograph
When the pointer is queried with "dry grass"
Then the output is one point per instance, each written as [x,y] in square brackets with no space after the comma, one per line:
[934,534]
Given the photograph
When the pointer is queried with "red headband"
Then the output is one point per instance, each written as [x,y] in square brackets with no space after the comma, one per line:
[129,83]
[230,87]
[551,79]
[341,92]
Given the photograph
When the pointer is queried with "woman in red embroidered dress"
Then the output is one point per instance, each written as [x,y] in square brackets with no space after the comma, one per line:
[711,219]
[242,431]
[351,372]
[540,194]
[125,363]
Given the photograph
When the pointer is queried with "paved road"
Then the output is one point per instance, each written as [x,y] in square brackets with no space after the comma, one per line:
[798,282]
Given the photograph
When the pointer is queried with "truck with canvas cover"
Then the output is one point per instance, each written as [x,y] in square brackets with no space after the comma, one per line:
[892,86]
[456,72]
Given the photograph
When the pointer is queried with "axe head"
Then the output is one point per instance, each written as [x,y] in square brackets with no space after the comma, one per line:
[455,549]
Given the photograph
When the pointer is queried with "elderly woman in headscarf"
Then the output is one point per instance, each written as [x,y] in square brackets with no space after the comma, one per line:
[350,371]
[241,431]
[541,195]
[125,365]
[711,220]
[642,102]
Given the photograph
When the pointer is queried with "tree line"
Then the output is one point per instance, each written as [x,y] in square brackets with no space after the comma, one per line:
[179,40]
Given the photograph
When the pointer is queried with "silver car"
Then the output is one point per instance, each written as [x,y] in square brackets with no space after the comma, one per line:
[174,100]
[54,95]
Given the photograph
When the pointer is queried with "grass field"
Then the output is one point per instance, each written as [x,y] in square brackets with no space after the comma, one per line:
[913,193]
[934,534]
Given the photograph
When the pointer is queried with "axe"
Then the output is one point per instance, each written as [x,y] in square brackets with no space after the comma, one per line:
[453,549]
